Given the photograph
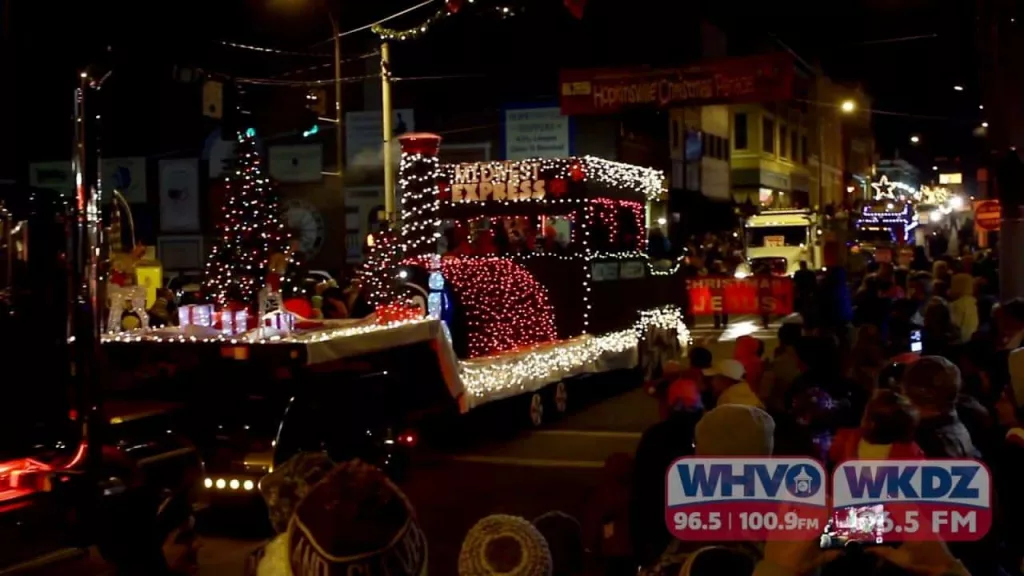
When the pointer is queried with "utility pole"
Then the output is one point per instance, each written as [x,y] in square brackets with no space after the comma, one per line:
[339,124]
[89,296]
[11,154]
[1004,58]
[386,111]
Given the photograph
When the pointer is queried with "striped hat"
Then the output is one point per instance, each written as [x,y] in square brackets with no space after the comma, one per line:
[356,521]
[289,483]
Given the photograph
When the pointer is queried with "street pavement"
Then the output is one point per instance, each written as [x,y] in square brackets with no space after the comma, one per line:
[496,464]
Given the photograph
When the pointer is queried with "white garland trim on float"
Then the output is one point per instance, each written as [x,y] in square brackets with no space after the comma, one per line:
[471,382]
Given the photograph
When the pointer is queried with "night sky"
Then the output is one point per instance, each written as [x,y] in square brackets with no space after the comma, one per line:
[516,58]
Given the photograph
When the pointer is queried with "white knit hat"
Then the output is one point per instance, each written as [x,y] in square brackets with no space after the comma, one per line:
[501,544]
[735,430]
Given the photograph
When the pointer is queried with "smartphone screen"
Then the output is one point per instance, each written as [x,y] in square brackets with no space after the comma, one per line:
[915,341]
[857,526]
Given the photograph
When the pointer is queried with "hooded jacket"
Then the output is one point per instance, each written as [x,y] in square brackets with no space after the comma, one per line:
[963,310]
[746,353]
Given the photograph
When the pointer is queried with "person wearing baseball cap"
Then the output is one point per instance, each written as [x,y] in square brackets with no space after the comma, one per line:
[730,387]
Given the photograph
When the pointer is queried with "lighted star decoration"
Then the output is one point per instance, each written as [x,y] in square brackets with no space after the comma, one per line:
[888,186]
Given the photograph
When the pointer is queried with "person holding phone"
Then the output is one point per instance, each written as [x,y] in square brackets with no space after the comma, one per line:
[805,557]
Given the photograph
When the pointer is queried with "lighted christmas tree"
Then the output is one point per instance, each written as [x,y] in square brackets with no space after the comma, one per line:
[377,271]
[252,229]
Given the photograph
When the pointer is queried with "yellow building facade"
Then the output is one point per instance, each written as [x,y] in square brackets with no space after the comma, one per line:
[780,152]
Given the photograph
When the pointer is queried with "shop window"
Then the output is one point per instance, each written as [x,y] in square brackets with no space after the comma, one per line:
[768,135]
[740,131]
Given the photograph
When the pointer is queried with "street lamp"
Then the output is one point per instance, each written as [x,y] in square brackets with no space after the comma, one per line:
[984,124]
[958,88]
[915,139]
[847,106]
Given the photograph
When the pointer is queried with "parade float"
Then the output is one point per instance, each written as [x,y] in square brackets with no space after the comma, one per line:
[537,269]
[779,240]
[567,290]
[884,226]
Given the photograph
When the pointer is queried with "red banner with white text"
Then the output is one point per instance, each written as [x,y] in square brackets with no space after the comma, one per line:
[754,295]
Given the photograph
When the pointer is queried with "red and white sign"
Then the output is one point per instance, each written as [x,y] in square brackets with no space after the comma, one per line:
[752,79]
[752,499]
[875,501]
[774,241]
[987,214]
[753,295]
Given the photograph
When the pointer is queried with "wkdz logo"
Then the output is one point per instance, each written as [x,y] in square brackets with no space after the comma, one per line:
[694,480]
[956,482]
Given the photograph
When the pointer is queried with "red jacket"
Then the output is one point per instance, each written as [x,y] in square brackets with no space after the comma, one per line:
[844,447]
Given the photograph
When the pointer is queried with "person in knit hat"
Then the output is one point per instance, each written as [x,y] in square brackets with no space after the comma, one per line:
[728,430]
[356,521]
[501,544]
[282,490]
[735,430]
[289,483]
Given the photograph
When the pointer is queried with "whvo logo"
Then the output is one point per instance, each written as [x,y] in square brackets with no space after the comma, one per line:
[920,499]
[742,498]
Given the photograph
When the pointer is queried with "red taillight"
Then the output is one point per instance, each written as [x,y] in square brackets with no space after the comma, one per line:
[407,438]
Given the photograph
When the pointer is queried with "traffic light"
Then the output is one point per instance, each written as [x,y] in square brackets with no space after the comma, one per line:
[316,106]
[316,100]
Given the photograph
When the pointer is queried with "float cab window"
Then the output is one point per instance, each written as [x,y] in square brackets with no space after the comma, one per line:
[769,236]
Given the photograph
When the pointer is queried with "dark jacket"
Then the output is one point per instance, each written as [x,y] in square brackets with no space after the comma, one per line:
[660,445]
[945,436]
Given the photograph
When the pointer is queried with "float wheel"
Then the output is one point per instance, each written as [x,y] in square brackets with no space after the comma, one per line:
[560,397]
[536,409]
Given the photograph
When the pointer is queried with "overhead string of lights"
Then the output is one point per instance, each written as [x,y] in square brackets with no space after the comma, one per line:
[448,8]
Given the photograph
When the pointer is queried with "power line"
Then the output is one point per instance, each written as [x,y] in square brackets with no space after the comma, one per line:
[875,111]
[278,81]
[269,50]
[895,40]
[325,65]
[442,77]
